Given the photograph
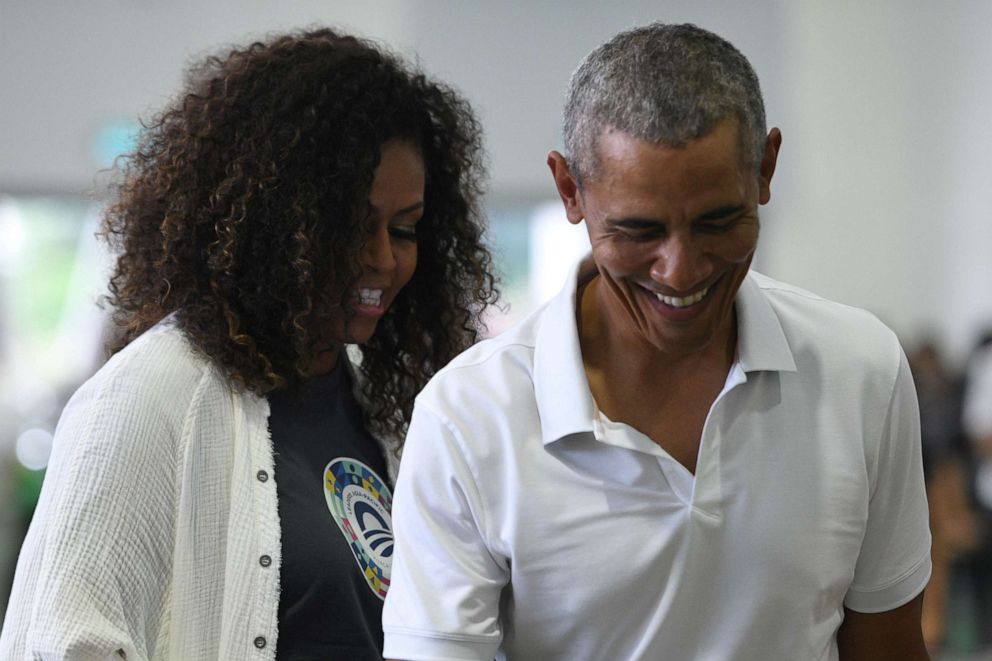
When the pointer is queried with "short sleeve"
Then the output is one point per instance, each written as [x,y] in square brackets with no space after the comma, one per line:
[443,600]
[894,564]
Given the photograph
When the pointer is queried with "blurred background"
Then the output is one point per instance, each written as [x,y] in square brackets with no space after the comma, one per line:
[882,198]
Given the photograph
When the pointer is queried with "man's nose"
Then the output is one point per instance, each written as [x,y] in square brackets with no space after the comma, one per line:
[377,253]
[680,264]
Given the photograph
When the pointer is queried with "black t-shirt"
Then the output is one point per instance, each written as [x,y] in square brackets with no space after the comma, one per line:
[337,540]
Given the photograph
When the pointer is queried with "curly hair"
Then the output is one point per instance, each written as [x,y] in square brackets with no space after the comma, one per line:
[244,208]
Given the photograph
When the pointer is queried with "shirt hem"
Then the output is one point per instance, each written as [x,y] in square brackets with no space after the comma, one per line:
[436,647]
[891,596]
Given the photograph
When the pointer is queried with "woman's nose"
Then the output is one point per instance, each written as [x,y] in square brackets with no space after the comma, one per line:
[377,253]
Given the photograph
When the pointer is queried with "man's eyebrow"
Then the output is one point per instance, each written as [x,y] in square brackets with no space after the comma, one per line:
[634,223]
[721,212]
[642,223]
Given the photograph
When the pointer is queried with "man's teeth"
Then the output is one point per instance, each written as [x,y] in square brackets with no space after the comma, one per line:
[370,296]
[677,302]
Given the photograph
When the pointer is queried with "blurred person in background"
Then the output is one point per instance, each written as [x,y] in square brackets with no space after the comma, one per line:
[954,525]
[976,420]
[977,410]
[221,488]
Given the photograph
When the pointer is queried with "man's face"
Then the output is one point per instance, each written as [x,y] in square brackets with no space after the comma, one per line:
[673,231]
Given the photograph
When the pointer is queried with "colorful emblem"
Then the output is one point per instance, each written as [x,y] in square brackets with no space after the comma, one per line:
[360,502]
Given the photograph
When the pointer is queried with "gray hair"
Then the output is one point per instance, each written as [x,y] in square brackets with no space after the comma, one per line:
[666,84]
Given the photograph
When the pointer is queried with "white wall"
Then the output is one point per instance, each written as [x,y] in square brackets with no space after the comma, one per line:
[69,67]
[882,198]
[884,192]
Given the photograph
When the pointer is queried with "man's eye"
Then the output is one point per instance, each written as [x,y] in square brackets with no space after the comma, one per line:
[719,225]
[641,234]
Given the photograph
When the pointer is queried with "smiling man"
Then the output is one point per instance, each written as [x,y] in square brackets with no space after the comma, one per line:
[676,458]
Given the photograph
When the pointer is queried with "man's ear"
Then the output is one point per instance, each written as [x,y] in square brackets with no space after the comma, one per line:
[567,185]
[767,167]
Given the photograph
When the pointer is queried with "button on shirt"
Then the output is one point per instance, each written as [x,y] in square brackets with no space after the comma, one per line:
[147,537]
[530,526]
[156,512]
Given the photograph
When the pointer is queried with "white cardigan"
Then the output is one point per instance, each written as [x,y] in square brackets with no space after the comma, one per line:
[157,533]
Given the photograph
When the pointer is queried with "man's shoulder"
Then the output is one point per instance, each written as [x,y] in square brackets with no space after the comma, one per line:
[495,363]
[822,321]
[836,341]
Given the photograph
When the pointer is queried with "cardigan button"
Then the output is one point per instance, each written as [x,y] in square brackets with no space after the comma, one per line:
[260,642]
[265,561]
[262,476]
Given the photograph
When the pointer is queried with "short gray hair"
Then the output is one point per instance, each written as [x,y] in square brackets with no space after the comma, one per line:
[666,84]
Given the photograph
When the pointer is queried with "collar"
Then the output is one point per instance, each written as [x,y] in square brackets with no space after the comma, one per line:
[761,342]
[564,402]
[352,356]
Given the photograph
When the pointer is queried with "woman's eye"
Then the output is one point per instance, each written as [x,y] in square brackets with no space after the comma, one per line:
[404,233]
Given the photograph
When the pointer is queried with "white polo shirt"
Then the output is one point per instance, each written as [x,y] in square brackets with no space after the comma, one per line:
[528,526]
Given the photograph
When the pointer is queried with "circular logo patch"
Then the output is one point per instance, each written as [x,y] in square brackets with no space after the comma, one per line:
[360,502]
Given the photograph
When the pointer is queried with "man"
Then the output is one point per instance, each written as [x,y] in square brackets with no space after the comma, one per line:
[675,458]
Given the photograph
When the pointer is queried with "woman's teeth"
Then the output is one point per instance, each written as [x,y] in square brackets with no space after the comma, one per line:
[677,302]
[370,297]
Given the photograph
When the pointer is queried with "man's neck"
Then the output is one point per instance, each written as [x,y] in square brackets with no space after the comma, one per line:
[613,348]
[665,396]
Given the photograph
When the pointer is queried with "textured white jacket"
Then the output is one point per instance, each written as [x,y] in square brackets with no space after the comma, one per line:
[157,533]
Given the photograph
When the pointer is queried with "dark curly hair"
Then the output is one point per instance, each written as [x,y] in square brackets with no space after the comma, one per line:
[245,206]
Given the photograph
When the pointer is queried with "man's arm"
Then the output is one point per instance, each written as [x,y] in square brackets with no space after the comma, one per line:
[894,635]
[446,581]
[894,564]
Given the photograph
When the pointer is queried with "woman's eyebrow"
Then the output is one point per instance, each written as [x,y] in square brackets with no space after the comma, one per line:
[401,212]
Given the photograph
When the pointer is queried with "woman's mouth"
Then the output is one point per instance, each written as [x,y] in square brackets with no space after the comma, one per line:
[370,297]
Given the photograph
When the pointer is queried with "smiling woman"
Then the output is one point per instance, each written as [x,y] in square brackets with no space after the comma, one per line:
[389,254]
[300,249]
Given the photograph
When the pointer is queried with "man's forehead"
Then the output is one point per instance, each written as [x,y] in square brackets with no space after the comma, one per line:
[617,145]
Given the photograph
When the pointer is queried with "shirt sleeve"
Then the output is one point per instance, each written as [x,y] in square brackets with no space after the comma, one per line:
[94,568]
[443,600]
[894,564]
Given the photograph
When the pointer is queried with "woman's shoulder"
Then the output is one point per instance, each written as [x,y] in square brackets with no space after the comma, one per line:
[135,418]
[162,358]
[155,380]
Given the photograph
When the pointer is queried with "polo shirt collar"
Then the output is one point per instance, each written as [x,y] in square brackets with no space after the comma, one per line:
[565,403]
[761,342]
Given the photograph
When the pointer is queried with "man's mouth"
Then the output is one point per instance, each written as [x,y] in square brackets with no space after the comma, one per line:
[682,302]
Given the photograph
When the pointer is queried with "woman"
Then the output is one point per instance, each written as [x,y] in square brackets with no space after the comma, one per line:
[216,490]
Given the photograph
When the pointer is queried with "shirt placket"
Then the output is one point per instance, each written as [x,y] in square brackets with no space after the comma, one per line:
[707,494]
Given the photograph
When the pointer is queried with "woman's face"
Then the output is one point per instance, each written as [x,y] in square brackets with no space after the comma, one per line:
[389,257]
